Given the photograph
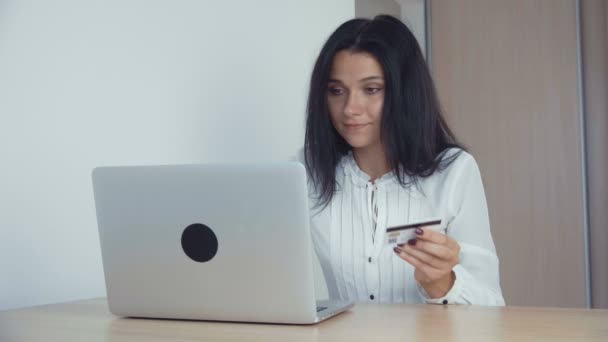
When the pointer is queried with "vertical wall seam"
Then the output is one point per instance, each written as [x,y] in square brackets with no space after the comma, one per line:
[427,33]
[582,129]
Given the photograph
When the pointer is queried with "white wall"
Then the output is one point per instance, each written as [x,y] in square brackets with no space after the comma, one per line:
[88,83]
[411,12]
[371,8]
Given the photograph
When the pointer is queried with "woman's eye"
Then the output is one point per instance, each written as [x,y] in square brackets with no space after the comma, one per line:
[372,90]
[336,91]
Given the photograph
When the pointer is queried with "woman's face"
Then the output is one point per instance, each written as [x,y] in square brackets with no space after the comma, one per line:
[355,96]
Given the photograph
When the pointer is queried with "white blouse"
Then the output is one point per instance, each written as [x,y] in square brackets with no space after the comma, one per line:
[359,267]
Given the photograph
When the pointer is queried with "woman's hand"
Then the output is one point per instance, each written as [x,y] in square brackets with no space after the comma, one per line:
[433,254]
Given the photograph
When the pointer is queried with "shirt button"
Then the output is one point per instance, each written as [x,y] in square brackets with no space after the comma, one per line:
[371,297]
[369,259]
[445,301]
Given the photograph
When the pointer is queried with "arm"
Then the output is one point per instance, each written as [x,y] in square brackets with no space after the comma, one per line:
[460,267]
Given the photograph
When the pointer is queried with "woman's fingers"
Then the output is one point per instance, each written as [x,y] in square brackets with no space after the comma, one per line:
[433,254]
[436,250]
[429,271]
[426,257]
[429,235]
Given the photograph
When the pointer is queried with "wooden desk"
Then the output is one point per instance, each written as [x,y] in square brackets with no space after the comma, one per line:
[90,320]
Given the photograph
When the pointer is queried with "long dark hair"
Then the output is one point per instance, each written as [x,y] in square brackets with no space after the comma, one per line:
[413,131]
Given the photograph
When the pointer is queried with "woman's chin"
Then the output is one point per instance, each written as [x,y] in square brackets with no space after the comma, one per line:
[358,143]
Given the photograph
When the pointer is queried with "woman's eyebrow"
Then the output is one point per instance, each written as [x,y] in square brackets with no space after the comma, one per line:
[365,79]
[371,78]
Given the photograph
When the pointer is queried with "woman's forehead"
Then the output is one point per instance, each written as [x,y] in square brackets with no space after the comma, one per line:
[350,66]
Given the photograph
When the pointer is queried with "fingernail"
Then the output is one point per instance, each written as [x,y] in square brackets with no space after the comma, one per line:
[412,242]
[419,231]
[397,250]
[401,245]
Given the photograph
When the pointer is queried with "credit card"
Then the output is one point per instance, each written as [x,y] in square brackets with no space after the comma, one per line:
[397,235]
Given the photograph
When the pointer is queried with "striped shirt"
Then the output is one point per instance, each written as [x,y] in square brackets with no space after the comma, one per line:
[348,234]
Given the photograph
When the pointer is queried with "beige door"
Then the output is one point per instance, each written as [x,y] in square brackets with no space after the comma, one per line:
[507,75]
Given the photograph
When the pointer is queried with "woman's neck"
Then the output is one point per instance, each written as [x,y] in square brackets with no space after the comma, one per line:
[372,161]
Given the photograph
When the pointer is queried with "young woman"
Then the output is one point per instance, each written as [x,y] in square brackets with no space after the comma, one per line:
[379,154]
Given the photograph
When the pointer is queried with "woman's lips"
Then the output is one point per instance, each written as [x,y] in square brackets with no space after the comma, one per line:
[354,127]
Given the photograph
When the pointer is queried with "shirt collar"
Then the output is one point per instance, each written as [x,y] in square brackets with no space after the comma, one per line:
[360,178]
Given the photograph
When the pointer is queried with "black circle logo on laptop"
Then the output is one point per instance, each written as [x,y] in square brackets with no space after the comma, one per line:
[199,242]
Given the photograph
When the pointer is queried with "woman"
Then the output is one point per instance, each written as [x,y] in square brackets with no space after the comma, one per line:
[379,154]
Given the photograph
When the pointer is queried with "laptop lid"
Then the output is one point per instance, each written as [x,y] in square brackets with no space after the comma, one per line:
[226,242]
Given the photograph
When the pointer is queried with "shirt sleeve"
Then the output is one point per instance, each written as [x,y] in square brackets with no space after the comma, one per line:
[477,275]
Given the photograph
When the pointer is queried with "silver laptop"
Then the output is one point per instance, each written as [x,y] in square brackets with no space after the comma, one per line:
[227,242]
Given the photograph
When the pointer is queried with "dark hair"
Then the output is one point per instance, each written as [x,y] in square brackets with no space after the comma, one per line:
[413,131]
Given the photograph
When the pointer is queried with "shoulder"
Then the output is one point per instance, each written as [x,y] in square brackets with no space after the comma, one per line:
[457,159]
[456,164]
[447,187]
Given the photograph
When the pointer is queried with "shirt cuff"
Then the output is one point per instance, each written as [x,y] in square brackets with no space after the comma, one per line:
[452,296]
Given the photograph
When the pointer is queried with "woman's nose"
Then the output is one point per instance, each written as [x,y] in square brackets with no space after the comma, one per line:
[353,105]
